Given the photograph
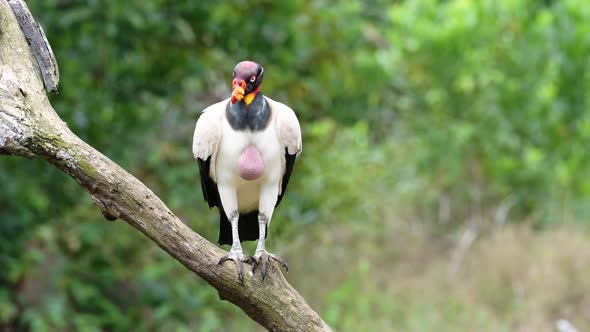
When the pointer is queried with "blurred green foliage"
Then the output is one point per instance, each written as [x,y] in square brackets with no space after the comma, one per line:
[494,95]
[436,113]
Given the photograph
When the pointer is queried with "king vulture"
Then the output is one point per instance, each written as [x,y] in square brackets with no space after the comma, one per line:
[246,147]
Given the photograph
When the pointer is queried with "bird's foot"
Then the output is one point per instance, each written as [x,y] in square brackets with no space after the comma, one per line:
[238,257]
[263,257]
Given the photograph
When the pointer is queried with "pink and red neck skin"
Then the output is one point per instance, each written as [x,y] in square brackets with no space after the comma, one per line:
[254,93]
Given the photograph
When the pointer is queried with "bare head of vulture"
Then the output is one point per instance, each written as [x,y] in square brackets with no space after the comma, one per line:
[248,76]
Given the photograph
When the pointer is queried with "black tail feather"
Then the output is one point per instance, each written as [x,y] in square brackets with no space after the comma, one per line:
[247,227]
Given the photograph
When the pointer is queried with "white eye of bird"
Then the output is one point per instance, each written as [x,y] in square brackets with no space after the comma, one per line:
[252,79]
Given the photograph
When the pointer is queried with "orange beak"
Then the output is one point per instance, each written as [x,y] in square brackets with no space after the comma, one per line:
[238,90]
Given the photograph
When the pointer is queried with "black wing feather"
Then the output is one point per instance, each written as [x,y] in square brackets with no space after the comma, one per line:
[290,162]
[209,187]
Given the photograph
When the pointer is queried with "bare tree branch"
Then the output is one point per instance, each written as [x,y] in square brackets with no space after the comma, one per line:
[29,127]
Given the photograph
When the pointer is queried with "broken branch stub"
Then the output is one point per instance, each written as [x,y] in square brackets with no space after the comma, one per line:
[39,45]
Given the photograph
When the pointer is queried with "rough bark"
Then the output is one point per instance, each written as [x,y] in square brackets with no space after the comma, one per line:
[29,127]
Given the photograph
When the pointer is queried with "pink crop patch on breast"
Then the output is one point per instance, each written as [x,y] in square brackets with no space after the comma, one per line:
[250,164]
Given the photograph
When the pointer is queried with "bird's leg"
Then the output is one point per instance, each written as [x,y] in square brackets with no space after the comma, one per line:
[262,256]
[236,254]
[261,232]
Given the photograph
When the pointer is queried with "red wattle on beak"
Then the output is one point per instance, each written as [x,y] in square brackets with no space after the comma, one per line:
[238,90]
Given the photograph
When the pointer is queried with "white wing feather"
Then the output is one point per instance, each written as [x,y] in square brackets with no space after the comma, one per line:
[208,134]
[288,128]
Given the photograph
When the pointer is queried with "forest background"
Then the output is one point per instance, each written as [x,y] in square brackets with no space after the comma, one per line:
[443,185]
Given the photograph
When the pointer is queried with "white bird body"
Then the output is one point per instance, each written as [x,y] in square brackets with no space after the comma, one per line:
[246,189]
[231,147]
[215,137]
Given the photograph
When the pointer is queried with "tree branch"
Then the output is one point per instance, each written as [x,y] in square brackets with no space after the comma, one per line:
[29,127]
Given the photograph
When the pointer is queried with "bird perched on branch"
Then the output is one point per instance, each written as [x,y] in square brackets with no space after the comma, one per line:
[246,147]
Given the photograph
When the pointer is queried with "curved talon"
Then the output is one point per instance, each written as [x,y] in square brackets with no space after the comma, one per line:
[238,258]
[283,263]
[264,267]
[223,260]
[263,257]
[240,272]
[254,264]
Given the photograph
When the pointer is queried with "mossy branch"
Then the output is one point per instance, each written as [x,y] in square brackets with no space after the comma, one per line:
[29,127]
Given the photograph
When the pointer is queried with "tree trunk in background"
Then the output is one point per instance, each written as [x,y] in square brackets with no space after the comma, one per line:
[29,127]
